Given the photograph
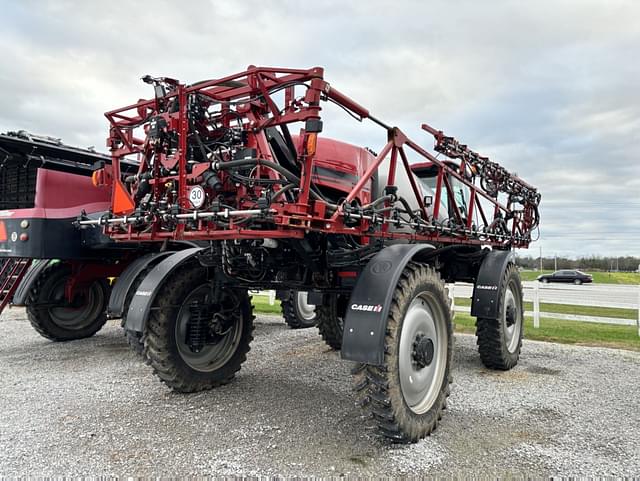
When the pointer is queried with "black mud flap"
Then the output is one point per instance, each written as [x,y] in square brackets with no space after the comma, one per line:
[365,321]
[148,289]
[126,280]
[20,296]
[488,286]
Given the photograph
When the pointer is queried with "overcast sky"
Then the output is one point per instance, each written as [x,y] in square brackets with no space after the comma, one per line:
[549,88]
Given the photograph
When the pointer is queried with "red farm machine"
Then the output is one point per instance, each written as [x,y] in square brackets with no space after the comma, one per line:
[59,272]
[210,185]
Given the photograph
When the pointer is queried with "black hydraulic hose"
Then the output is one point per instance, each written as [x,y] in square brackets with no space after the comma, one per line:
[290,176]
[201,145]
[281,191]
[377,202]
[408,209]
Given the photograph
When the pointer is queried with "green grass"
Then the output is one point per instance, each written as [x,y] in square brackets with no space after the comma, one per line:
[569,309]
[598,277]
[551,330]
[569,332]
[261,305]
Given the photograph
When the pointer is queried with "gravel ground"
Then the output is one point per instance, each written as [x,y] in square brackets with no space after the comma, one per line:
[91,407]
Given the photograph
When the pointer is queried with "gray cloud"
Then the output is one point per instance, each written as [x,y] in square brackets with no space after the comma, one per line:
[548,88]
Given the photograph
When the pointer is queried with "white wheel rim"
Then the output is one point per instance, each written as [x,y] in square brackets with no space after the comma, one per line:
[421,384]
[306,311]
[512,320]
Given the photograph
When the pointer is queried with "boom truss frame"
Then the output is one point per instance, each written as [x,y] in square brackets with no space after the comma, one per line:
[248,99]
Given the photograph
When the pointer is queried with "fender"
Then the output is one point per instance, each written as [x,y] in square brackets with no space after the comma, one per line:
[126,280]
[145,295]
[20,296]
[488,286]
[365,321]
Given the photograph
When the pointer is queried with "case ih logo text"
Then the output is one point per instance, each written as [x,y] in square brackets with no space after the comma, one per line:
[487,288]
[366,307]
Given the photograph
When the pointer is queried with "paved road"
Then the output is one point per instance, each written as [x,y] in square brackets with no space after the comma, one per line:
[91,407]
[604,295]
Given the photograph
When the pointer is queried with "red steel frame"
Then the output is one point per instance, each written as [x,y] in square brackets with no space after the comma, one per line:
[251,92]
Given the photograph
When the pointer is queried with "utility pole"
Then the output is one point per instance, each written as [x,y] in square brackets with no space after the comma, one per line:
[555,263]
[540,258]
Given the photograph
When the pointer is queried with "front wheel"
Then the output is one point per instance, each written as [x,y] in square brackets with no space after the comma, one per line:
[577,282]
[57,319]
[500,340]
[198,335]
[407,394]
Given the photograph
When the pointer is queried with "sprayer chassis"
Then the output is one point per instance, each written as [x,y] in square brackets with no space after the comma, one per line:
[371,237]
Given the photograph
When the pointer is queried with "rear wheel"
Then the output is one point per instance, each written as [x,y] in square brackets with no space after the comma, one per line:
[296,310]
[57,319]
[330,321]
[407,394]
[577,282]
[197,337]
[500,340]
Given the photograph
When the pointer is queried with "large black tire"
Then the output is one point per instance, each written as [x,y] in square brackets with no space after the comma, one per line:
[296,312]
[330,322]
[405,396]
[53,318]
[500,340]
[188,371]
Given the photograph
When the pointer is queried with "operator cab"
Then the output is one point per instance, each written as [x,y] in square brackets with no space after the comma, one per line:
[427,174]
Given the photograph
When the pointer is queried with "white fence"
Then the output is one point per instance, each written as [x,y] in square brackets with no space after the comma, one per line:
[597,295]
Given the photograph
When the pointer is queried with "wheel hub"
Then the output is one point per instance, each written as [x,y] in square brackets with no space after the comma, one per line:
[206,327]
[207,332]
[512,318]
[510,315]
[423,350]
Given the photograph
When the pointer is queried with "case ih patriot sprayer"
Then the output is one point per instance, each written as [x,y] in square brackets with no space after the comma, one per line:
[372,238]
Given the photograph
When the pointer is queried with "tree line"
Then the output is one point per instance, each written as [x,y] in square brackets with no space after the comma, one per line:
[627,263]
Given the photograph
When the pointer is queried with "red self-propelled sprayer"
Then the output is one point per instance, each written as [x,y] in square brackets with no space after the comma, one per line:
[371,237]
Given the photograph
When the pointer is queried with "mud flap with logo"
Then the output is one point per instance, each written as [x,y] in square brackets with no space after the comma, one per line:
[365,320]
[488,286]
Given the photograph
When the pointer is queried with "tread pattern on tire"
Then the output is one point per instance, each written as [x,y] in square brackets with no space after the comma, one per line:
[330,326]
[490,336]
[162,352]
[38,317]
[378,389]
[289,312]
[135,339]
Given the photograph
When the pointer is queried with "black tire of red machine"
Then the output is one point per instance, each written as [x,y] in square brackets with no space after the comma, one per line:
[177,366]
[500,340]
[405,397]
[57,320]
